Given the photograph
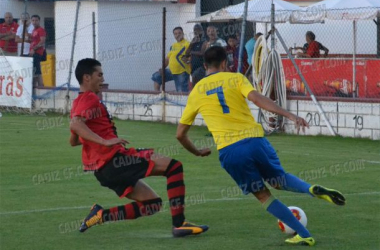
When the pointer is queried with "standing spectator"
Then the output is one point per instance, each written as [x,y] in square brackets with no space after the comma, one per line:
[250,46]
[233,55]
[179,70]
[214,40]
[37,49]
[7,35]
[195,53]
[28,34]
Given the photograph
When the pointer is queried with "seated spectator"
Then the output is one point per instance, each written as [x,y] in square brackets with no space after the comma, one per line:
[179,70]
[27,35]
[320,46]
[233,55]
[312,48]
[7,35]
[306,46]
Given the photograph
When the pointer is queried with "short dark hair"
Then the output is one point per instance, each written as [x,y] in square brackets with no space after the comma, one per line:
[36,16]
[214,56]
[178,28]
[85,67]
[232,37]
[311,35]
[198,26]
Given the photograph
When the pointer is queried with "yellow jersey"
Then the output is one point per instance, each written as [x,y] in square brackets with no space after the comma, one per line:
[176,64]
[221,100]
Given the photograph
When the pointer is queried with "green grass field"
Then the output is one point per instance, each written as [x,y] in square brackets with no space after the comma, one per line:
[44,194]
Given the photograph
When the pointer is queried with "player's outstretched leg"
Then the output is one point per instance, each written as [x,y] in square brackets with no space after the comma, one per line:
[291,183]
[330,195]
[294,184]
[92,219]
[147,203]
[281,212]
[173,171]
[130,211]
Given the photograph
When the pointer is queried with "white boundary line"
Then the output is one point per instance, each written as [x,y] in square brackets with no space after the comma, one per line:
[207,200]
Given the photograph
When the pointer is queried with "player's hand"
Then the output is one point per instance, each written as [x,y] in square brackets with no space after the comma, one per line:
[204,152]
[115,141]
[31,53]
[300,123]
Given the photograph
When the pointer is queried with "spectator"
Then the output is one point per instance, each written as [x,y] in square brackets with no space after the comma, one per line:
[179,70]
[306,46]
[195,53]
[214,40]
[320,47]
[7,35]
[250,46]
[28,34]
[37,49]
[233,55]
[312,50]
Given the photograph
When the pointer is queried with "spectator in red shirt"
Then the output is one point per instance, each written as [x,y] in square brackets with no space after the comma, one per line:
[233,55]
[312,48]
[37,49]
[122,169]
[8,31]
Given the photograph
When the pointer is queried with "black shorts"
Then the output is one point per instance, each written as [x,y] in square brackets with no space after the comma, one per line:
[37,59]
[122,172]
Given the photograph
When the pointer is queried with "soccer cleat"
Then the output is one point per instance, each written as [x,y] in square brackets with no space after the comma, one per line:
[94,218]
[329,195]
[298,240]
[188,228]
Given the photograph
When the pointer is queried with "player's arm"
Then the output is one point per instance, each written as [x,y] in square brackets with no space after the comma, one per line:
[79,127]
[182,137]
[74,140]
[268,104]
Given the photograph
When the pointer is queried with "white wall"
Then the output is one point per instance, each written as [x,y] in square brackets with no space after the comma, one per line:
[130,48]
[64,20]
[349,119]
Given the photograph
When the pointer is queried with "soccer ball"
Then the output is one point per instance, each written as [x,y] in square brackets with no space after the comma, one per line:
[299,214]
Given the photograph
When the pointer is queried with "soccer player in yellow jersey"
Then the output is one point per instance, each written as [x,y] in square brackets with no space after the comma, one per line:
[244,153]
[179,70]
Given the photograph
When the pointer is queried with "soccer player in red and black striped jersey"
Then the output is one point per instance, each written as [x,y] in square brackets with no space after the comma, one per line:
[118,168]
